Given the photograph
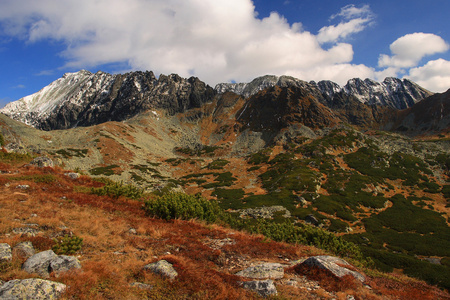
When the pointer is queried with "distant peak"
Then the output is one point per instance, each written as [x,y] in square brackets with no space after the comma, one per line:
[81,72]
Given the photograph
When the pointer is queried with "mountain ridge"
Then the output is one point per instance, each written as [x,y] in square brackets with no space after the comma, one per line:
[84,98]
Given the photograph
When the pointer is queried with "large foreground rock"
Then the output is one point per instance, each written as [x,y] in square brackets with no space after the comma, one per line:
[163,268]
[262,271]
[33,288]
[264,288]
[333,264]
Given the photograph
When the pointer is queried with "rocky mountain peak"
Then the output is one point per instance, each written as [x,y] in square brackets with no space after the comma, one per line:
[83,98]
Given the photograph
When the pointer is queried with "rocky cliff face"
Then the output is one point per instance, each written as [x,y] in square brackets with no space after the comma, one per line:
[391,92]
[83,98]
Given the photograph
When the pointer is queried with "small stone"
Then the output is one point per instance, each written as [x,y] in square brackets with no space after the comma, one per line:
[132,231]
[23,186]
[163,268]
[264,288]
[73,175]
[140,285]
[33,288]
[5,252]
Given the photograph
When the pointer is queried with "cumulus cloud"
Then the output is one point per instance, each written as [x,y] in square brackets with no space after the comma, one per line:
[408,50]
[353,20]
[215,40]
[434,75]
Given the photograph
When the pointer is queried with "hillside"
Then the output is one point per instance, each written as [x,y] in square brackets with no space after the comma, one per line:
[40,205]
[276,155]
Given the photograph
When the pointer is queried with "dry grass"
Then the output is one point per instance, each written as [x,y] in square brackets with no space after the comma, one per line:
[112,255]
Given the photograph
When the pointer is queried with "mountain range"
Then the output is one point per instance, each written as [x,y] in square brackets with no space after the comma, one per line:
[84,99]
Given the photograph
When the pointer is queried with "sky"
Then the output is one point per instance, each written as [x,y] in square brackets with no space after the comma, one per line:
[224,40]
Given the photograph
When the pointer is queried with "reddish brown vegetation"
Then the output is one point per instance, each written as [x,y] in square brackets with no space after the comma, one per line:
[112,256]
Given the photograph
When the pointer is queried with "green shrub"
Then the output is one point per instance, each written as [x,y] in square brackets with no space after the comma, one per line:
[107,171]
[222,179]
[14,157]
[183,206]
[116,189]
[258,158]
[217,164]
[67,245]
[306,234]
[229,198]
[2,140]
[337,225]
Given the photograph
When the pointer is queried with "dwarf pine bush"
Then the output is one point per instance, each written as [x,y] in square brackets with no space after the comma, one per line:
[67,245]
[308,235]
[117,189]
[183,206]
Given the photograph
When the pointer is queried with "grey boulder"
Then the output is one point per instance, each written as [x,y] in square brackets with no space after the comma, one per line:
[39,263]
[333,264]
[163,268]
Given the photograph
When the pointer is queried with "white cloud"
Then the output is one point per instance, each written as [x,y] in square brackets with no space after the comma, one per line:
[215,40]
[408,50]
[351,11]
[434,75]
[354,20]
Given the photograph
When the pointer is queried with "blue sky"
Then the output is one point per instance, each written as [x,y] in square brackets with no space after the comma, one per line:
[224,40]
